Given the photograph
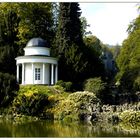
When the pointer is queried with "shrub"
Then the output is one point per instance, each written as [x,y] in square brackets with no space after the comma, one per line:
[49,90]
[66,85]
[34,99]
[130,116]
[30,104]
[74,104]
[83,97]
[136,84]
[8,88]
[95,85]
[61,83]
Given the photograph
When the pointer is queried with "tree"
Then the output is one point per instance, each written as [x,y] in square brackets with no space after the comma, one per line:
[20,22]
[128,60]
[36,21]
[8,89]
[77,61]
[115,50]
[9,22]
[7,60]
[95,85]
[84,27]
[94,43]
[69,40]
[69,28]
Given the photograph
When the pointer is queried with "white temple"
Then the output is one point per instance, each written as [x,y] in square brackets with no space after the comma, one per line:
[37,67]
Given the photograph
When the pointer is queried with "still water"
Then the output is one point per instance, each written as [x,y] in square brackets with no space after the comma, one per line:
[61,129]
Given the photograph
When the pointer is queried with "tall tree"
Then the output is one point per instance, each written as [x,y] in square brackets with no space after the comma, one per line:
[129,59]
[9,22]
[8,37]
[94,43]
[69,28]
[84,27]
[76,61]
[36,21]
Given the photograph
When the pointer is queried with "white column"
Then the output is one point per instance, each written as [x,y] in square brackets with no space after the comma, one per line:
[43,74]
[23,75]
[33,73]
[18,73]
[52,74]
[56,73]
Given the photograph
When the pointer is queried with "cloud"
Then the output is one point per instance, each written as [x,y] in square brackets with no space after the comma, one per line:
[109,21]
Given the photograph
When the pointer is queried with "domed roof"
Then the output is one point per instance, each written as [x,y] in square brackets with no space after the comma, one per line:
[37,42]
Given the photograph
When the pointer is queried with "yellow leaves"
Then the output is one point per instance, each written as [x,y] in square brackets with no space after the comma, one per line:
[30,93]
[23,30]
[51,98]
[6,7]
[130,116]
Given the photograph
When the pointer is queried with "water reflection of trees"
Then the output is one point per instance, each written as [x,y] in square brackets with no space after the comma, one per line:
[61,129]
[109,130]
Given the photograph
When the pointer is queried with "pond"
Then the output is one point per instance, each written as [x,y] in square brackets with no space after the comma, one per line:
[61,129]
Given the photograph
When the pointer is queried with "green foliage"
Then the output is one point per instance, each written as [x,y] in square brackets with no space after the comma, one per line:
[137,84]
[66,85]
[73,64]
[83,98]
[20,22]
[69,28]
[77,61]
[100,89]
[33,99]
[9,22]
[8,36]
[40,89]
[7,60]
[115,50]
[36,21]
[69,39]
[84,26]
[30,104]
[128,60]
[94,67]
[94,44]
[8,88]
[95,85]
[69,106]
[130,116]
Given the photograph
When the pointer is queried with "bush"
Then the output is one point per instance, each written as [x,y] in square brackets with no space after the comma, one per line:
[95,85]
[30,104]
[136,85]
[49,90]
[8,88]
[66,85]
[74,104]
[83,97]
[130,116]
[33,99]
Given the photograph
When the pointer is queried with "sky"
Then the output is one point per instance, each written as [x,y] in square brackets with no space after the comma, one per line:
[109,21]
